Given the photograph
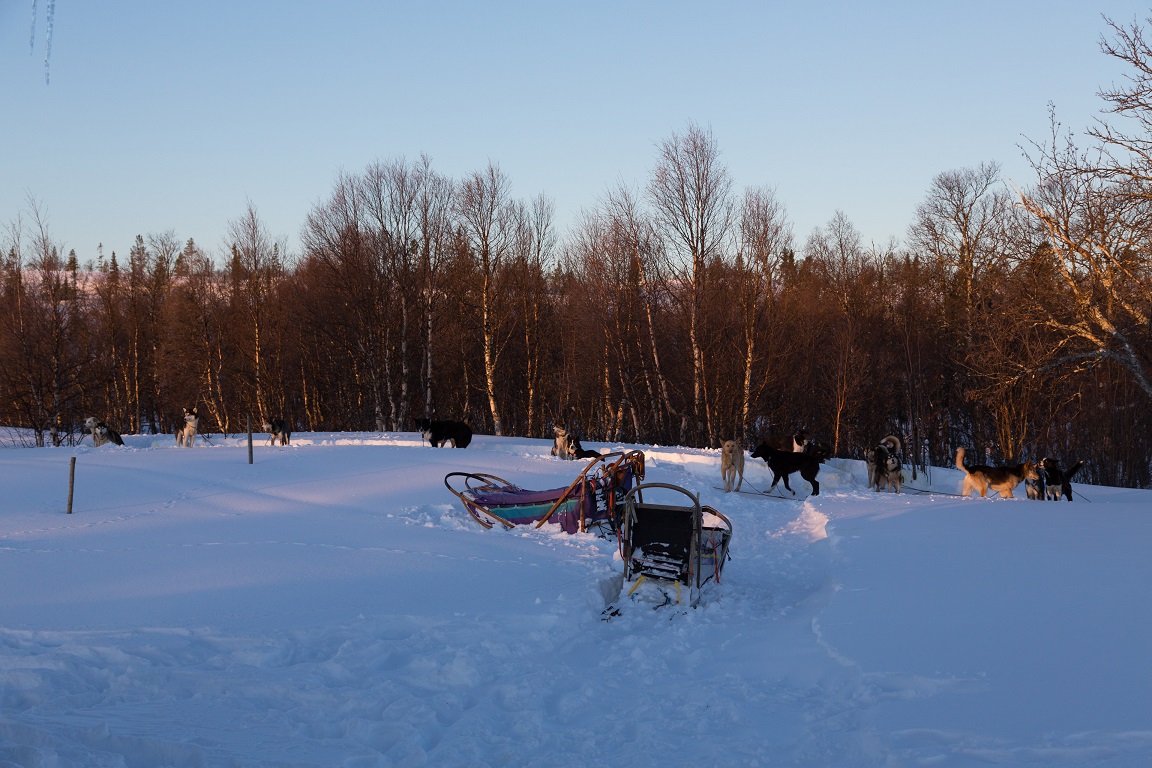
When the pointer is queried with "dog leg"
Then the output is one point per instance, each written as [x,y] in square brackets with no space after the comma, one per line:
[812,481]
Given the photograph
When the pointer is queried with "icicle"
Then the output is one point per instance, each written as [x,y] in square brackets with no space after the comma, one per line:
[48,52]
[32,38]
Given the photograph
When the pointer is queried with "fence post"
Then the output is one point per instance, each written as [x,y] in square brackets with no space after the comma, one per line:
[71,481]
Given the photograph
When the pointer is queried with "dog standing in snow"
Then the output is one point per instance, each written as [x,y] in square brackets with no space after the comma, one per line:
[731,465]
[186,434]
[278,429]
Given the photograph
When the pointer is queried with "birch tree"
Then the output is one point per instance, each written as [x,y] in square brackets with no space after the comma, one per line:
[763,235]
[690,192]
[488,220]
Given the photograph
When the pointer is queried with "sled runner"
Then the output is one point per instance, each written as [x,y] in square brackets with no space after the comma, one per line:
[672,545]
[593,498]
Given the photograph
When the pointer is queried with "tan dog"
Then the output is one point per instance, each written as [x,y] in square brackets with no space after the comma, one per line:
[731,464]
[981,477]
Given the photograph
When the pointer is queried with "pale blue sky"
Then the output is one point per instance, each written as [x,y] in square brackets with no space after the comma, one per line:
[173,115]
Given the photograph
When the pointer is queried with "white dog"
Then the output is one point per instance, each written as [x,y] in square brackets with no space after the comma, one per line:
[731,464]
[186,435]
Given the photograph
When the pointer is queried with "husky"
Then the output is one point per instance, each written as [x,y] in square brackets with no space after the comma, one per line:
[731,465]
[884,466]
[784,463]
[1002,479]
[1035,488]
[102,434]
[562,447]
[186,433]
[1056,482]
[277,429]
[439,433]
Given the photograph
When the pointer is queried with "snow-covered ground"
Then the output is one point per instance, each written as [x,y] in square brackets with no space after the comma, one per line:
[332,605]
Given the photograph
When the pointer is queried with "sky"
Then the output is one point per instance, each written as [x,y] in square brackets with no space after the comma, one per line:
[332,604]
[175,117]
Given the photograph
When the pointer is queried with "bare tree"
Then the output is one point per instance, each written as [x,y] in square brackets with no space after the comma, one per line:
[763,235]
[434,207]
[41,332]
[535,245]
[690,191]
[634,231]
[489,221]
[838,252]
[961,224]
[1099,230]
[256,269]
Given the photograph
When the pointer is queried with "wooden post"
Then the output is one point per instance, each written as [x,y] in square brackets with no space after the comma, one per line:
[249,438]
[71,481]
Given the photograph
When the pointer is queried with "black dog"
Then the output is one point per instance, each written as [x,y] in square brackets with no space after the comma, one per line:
[437,433]
[784,463]
[1057,482]
[278,429]
[580,452]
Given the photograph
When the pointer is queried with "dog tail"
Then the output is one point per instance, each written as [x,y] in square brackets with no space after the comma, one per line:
[960,461]
[893,443]
[1074,469]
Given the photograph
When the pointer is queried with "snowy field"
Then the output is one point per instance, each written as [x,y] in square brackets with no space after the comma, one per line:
[333,605]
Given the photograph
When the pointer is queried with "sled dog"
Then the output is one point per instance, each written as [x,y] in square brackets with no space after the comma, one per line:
[186,434]
[562,447]
[732,465]
[981,477]
[1057,482]
[102,434]
[277,429]
[885,470]
[796,443]
[784,463]
[439,433]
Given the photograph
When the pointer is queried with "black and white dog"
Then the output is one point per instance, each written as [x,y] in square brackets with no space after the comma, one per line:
[784,463]
[439,433]
[1057,482]
[186,433]
[795,443]
[278,429]
[580,452]
[102,434]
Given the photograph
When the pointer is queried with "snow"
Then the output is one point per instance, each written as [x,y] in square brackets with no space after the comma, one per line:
[333,605]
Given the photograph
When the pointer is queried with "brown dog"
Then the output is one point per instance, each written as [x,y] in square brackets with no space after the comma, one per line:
[731,464]
[981,477]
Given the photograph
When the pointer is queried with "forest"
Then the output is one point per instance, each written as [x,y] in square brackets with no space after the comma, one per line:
[1014,322]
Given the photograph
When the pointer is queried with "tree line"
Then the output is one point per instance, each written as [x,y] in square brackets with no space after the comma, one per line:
[1016,322]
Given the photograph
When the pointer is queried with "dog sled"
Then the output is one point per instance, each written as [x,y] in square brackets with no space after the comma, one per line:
[593,499]
[670,546]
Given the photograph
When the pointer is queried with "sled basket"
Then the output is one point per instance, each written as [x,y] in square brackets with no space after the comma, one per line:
[595,497]
[673,542]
